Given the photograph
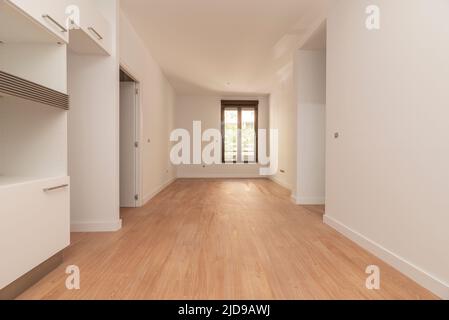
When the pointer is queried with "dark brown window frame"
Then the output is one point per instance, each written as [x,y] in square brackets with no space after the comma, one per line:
[239,105]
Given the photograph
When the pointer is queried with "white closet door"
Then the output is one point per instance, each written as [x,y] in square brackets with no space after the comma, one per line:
[51,14]
[128,152]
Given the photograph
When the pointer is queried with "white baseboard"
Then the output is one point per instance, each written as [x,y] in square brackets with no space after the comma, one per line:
[293,198]
[96,226]
[309,201]
[222,176]
[420,276]
[281,183]
[156,191]
[284,185]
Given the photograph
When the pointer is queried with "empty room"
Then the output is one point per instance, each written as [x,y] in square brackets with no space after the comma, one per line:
[211,150]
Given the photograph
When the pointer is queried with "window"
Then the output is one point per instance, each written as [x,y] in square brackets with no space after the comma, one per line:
[239,131]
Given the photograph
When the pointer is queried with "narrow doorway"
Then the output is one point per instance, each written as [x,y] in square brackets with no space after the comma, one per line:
[129,140]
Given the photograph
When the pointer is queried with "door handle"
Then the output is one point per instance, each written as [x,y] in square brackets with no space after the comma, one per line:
[96,33]
[55,188]
[47,16]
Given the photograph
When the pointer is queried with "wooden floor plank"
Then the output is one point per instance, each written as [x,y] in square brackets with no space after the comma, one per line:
[222,239]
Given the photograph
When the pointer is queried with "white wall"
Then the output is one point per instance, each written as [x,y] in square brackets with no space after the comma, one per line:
[387,95]
[157,101]
[207,109]
[284,99]
[93,122]
[283,118]
[310,83]
[94,126]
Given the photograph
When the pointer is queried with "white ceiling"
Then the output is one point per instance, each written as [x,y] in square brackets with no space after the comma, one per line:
[223,46]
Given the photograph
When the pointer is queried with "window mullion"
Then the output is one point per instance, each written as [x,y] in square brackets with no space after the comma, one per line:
[239,137]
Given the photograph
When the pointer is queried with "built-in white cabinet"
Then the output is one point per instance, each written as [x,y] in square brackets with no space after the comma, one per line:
[50,14]
[31,49]
[17,27]
[34,183]
[35,36]
[77,23]
[92,33]
[35,223]
[34,186]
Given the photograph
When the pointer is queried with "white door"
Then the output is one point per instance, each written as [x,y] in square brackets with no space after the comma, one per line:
[128,148]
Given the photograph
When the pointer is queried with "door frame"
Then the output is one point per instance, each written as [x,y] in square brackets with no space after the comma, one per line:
[138,133]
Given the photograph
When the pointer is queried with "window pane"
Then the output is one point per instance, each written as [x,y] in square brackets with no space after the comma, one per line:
[230,135]
[248,135]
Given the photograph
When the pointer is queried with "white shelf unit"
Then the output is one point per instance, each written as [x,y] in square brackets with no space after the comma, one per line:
[92,34]
[32,47]
[34,183]
[49,21]
[35,36]
[35,217]
[23,21]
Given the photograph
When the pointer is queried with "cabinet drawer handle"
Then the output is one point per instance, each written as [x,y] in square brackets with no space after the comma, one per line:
[96,33]
[56,188]
[47,16]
